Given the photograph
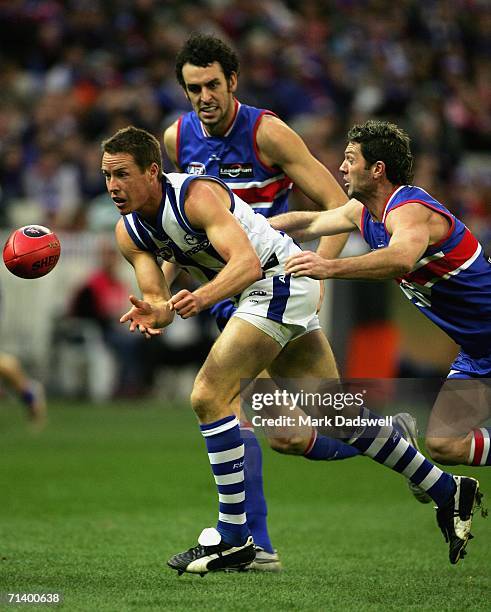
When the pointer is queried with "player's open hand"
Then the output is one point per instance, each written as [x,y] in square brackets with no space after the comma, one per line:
[307,264]
[142,317]
[186,304]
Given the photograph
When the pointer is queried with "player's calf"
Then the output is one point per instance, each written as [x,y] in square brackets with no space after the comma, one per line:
[289,445]
[449,451]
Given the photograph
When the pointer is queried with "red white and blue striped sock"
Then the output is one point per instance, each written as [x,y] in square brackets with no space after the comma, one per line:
[226,455]
[384,444]
[480,453]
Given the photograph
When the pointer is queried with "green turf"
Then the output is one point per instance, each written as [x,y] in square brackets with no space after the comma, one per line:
[95,505]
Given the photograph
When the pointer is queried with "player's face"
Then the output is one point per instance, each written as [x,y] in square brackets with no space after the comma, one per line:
[356,173]
[130,189]
[211,96]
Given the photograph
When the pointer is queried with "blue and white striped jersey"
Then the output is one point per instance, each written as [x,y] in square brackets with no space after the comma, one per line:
[175,240]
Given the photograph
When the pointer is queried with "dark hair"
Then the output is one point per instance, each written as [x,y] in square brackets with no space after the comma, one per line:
[384,141]
[142,145]
[202,50]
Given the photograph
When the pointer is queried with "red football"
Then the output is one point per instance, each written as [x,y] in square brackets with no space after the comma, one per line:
[31,251]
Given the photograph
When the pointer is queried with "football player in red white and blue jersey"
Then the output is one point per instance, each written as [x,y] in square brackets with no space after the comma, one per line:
[259,158]
[438,263]
[250,149]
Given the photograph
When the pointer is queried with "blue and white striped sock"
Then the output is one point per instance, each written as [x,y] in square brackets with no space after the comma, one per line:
[385,445]
[226,454]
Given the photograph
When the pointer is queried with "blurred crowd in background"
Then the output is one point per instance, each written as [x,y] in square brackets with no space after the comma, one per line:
[73,72]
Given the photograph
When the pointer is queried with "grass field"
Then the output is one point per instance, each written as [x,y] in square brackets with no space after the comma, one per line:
[95,505]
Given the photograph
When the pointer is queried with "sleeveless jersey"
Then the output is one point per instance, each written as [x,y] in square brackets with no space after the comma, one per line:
[175,240]
[234,159]
[451,283]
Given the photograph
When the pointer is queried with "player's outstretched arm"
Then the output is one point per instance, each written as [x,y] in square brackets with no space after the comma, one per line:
[281,146]
[410,237]
[306,225]
[207,208]
[153,312]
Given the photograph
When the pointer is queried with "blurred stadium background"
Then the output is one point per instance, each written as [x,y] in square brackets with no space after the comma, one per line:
[95,505]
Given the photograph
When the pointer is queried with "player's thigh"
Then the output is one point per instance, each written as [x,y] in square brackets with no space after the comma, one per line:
[460,406]
[305,364]
[241,351]
[309,356]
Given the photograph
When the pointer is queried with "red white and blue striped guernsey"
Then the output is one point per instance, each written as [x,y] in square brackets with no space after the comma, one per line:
[450,284]
[234,159]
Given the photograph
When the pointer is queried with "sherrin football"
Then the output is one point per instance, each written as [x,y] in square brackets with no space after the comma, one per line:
[31,251]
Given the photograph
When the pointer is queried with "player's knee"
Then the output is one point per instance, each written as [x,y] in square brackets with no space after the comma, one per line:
[203,400]
[288,445]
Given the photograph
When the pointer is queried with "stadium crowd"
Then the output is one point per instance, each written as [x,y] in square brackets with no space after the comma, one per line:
[73,72]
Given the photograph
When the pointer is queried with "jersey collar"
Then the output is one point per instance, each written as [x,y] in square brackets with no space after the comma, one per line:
[389,201]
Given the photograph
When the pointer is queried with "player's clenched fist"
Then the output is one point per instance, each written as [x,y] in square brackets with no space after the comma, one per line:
[186,304]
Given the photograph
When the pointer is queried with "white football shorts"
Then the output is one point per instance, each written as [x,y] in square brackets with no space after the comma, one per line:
[282,306]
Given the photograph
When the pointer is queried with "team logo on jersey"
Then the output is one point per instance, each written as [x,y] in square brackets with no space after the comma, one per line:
[165,249]
[418,294]
[165,252]
[237,170]
[199,247]
[191,240]
[196,168]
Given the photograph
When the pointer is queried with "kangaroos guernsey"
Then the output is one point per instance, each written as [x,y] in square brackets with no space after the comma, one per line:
[277,296]
[451,283]
[234,159]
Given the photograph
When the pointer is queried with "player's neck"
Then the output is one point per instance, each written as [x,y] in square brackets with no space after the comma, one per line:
[377,202]
[151,207]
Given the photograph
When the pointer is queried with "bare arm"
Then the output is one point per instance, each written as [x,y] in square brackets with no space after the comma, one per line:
[170,143]
[154,311]
[410,237]
[171,272]
[280,146]
[304,226]
[207,208]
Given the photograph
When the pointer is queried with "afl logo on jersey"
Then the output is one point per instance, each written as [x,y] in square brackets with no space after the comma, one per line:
[196,168]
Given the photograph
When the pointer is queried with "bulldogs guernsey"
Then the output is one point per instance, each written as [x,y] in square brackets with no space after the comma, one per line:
[451,283]
[234,159]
